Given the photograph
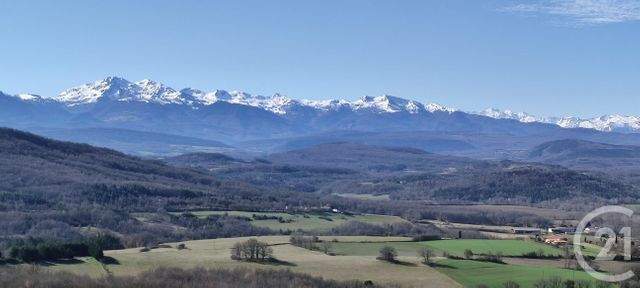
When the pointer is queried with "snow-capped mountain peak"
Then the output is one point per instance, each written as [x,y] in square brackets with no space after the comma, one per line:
[198,96]
[617,123]
[508,114]
[608,123]
[276,103]
[113,88]
[149,91]
[326,105]
[435,107]
[388,104]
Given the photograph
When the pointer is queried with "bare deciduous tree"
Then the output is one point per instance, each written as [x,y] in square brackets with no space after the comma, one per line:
[427,255]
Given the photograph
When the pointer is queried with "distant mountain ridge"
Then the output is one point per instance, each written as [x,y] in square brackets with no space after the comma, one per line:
[237,116]
[264,124]
[606,123]
[149,91]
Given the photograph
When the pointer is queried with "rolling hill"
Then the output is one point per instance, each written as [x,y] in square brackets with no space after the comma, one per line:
[409,174]
[588,155]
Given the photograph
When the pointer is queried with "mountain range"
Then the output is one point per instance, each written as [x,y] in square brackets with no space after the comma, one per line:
[607,123]
[96,112]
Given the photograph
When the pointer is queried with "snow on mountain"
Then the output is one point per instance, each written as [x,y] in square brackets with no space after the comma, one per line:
[154,92]
[119,89]
[387,103]
[206,98]
[326,105]
[508,114]
[277,103]
[29,97]
[434,107]
[113,88]
[607,123]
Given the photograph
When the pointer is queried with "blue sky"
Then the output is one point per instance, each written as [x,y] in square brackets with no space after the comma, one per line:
[556,57]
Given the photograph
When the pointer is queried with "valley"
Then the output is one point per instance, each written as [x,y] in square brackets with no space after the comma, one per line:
[320,144]
[352,200]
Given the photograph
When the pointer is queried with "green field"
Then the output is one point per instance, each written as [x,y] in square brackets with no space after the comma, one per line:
[321,222]
[456,247]
[473,273]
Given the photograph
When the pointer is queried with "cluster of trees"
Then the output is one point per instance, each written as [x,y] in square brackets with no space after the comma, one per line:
[32,249]
[306,242]
[311,243]
[354,228]
[267,217]
[252,250]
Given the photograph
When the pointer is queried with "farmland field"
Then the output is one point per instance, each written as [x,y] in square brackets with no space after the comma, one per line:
[215,253]
[456,247]
[355,260]
[304,221]
[473,273]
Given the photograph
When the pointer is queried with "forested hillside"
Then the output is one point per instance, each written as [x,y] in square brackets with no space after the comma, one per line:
[61,190]
[412,174]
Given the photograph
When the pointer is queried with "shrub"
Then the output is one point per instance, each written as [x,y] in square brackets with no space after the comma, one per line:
[468,254]
[388,253]
[494,258]
[426,238]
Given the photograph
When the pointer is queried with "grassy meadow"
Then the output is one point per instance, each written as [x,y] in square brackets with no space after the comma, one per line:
[355,259]
[321,222]
[215,253]
[472,273]
[455,247]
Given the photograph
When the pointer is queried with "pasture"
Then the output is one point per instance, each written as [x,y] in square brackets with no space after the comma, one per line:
[321,222]
[216,252]
[355,260]
[454,247]
[472,273]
